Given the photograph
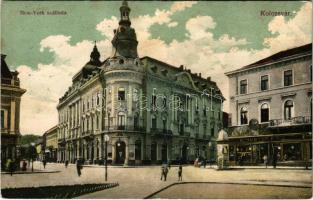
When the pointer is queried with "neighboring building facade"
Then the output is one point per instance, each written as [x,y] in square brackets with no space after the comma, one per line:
[271,108]
[142,104]
[10,112]
[50,138]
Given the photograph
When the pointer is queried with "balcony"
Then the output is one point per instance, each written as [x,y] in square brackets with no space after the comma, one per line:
[302,120]
[161,131]
[124,128]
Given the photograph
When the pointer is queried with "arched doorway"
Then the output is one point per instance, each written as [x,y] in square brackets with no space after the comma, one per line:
[164,152]
[184,153]
[153,151]
[120,152]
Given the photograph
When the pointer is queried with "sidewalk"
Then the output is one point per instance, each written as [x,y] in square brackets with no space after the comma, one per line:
[141,181]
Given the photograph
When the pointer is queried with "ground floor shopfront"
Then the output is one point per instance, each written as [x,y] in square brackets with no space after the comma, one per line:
[287,149]
[136,148]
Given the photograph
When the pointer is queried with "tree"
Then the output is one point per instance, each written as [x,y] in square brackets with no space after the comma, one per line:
[32,154]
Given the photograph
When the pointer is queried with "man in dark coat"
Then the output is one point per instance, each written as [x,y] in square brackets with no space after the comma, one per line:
[78,167]
[275,157]
[44,162]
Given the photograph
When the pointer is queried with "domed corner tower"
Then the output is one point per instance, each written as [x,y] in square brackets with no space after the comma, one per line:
[123,76]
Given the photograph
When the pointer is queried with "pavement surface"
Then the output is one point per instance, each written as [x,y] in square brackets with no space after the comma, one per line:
[141,182]
[232,191]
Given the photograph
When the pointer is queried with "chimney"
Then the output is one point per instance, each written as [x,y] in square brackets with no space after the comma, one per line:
[200,75]
[208,78]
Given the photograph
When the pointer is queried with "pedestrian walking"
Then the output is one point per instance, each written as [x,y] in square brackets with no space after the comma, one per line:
[162,172]
[44,162]
[275,157]
[180,172]
[165,171]
[204,163]
[24,165]
[265,160]
[11,166]
[78,167]
[66,163]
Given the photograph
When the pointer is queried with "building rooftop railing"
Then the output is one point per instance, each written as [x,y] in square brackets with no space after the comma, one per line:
[291,122]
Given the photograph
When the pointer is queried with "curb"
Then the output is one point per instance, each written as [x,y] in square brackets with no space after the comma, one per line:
[214,182]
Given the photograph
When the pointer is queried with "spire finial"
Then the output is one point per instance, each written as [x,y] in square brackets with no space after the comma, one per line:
[95,55]
[125,10]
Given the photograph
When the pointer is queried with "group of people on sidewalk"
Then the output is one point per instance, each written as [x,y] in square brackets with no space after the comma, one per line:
[165,169]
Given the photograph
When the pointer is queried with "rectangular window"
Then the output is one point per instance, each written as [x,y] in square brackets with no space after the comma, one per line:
[154,101]
[288,78]
[212,131]
[243,86]
[204,129]
[264,82]
[2,118]
[154,122]
[98,99]
[121,94]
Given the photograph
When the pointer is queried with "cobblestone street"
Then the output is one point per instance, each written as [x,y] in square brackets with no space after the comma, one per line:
[141,182]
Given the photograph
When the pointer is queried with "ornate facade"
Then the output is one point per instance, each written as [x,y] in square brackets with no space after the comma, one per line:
[151,111]
[10,112]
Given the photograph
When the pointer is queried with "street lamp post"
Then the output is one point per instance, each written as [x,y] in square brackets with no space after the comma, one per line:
[106,139]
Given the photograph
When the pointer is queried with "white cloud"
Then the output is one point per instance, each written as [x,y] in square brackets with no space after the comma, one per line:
[200,52]
[47,83]
[294,32]
[182,5]
[172,24]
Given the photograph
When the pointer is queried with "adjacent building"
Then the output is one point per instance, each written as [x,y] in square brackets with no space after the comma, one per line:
[151,111]
[271,108]
[50,144]
[11,94]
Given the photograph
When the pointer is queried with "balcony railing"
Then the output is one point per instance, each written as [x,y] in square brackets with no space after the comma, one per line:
[124,128]
[291,122]
[161,131]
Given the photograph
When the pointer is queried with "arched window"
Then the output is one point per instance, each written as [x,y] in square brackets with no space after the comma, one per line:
[121,121]
[288,110]
[136,121]
[264,112]
[243,115]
